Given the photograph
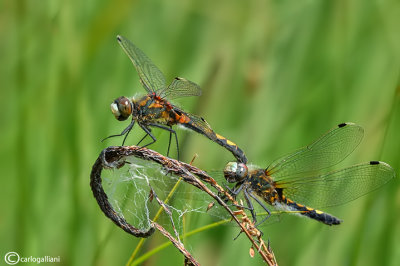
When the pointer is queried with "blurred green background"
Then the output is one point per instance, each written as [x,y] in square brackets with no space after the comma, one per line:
[275,75]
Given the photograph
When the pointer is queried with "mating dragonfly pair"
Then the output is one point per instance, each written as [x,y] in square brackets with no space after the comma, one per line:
[287,183]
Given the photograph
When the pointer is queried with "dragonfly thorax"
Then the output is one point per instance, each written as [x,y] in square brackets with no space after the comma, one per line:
[235,172]
[122,108]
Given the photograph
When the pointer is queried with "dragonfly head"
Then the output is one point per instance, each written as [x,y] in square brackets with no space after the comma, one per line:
[235,172]
[122,108]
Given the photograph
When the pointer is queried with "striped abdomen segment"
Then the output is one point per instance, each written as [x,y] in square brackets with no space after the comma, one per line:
[200,126]
[232,147]
[309,212]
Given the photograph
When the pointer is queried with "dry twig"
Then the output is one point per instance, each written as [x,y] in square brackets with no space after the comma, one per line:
[114,157]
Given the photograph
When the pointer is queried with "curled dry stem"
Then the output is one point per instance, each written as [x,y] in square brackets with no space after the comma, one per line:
[115,157]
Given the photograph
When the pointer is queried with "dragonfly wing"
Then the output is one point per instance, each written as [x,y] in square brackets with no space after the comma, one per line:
[150,76]
[329,150]
[201,126]
[338,187]
[181,87]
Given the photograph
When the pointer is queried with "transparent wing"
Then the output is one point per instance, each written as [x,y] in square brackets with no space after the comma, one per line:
[200,125]
[329,150]
[150,76]
[338,187]
[180,87]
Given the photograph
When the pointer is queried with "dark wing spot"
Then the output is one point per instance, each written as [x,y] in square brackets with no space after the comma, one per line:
[342,125]
[374,162]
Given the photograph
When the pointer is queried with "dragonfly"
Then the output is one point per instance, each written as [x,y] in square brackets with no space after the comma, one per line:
[296,181]
[154,110]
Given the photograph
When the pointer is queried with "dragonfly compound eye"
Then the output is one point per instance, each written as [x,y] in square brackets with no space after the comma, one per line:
[241,171]
[121,108]
[235,172]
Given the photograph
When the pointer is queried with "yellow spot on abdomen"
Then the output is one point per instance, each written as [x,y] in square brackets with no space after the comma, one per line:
[230,142]
[219,136]
[227,140]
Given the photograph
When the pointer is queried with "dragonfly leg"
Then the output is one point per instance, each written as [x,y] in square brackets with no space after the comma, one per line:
[171,132]
[237,188]
[148,132]
[126,135]
[142,138]
[225,199]
[263,206]
[233,192]
[169,142]
[125,131]
[251,208]
[241,206]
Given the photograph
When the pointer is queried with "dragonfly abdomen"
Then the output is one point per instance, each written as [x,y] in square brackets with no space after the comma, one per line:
[323,217]
[232,147]
[222,141]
